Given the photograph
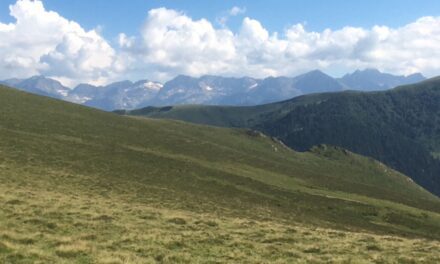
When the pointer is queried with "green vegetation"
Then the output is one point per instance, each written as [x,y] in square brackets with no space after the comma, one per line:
[85,186]
[400,127]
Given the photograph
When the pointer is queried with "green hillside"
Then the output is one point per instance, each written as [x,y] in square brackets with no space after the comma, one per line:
[400,127]
[85,186]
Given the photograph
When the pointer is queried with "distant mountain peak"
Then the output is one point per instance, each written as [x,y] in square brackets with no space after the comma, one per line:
[371,79]
[42,78]
[38,77]
[371,70]
[316,81]
[85,85]
[182,77]
[416,77]
[314,73]
[41,85]
[317,71]
[416,74]
[120,83]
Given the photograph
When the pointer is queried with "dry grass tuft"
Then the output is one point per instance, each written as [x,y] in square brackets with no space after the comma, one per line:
[73,250]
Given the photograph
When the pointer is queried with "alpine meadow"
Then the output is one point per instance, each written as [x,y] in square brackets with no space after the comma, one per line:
[192,132]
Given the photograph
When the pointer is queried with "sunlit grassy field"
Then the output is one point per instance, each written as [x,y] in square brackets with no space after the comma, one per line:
[83,186]
[40,223]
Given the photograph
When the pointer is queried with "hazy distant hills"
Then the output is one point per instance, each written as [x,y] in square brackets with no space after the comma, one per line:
[40,85]
[209,90]
[399,127]
[374,80]
[217,90]
[125,94]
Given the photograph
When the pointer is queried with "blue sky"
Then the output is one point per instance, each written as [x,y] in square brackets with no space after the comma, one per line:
[105,40]
[116,16]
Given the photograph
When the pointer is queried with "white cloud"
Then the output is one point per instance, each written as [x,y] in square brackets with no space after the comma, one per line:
[171,42]
[43,42]
[234,11]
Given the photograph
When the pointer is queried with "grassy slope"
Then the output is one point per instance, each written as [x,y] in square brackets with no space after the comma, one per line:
[400,127]
[77,184]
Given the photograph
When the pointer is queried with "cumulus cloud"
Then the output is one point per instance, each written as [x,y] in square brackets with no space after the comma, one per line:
[43,42]
[171,42]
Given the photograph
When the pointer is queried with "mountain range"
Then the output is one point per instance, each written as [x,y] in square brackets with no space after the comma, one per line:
[399,127]
[209,90]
